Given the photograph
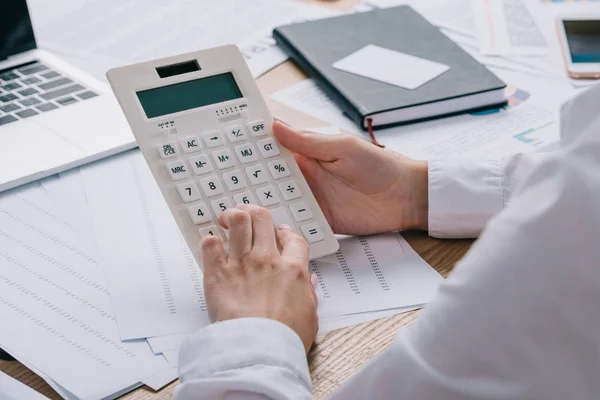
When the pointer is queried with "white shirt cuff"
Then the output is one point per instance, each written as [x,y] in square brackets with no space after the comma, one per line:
[242,343]
[463,195]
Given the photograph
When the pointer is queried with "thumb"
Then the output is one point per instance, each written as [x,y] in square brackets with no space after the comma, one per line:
[312,144]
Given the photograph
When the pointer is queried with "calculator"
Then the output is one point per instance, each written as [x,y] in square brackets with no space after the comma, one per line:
[205,131]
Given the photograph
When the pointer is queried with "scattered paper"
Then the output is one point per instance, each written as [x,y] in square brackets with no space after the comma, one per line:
[12,389]
[391,67]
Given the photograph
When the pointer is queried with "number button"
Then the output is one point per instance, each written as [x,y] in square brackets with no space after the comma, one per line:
[290,190]
[210,231]
[213,139]
[244,198]
[279,169]
[199,214]
[300,211]
[190,144]
[201,165]
[267,196]
[268,148]
[312,232]
[236,133]
[178,170]
[211,187]
[234,180]
[188,192]
[220,205]
[257,128]
[257,174]
[167,150]
[223,159]
[246,153]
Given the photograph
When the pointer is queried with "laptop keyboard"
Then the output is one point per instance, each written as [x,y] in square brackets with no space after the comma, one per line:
[34,88]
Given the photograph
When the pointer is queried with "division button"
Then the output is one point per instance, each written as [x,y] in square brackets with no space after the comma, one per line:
[290,190]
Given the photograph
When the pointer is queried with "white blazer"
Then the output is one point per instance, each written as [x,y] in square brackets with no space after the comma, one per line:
[519,317]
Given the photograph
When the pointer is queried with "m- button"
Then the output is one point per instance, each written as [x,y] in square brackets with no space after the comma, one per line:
[257,128]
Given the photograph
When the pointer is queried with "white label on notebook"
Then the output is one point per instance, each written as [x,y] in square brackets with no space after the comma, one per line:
[391,67]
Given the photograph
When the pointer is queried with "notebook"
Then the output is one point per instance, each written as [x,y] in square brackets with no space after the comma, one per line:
[317,45]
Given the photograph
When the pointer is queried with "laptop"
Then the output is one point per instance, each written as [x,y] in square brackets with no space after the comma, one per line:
[53,117]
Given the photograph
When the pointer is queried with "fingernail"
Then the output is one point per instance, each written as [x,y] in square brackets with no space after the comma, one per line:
[284,226]
[314,280]
[282,121]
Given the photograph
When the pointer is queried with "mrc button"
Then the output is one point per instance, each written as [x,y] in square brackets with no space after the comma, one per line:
[257,128]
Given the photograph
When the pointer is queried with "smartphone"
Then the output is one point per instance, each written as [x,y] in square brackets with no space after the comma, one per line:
[580,40]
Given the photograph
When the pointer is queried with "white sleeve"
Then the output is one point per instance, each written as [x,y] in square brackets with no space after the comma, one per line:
[465,193]
[249,358]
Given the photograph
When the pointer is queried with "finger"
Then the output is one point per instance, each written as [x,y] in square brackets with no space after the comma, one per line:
[294,248]
[240,231]
[312,144]
[213,255]
[263,232]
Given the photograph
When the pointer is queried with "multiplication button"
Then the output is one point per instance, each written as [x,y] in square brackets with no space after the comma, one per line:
[190,144]
[167,150]
[279,169]
[235,133]
[290,190]
[257,128]
[312,232]
[188,192]
[268,148]
[267,196]
[213,139]
[178,170]
[199,214]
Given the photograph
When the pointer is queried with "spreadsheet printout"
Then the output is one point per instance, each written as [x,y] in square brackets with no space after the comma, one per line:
[55,296]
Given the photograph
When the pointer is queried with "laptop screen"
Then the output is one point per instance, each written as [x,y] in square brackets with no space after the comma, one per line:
[16,32]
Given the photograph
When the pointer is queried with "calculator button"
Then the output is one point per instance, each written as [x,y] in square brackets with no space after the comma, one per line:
[290,190]
[244,198]
[257,128]
[200,164]
[188,192]
[312,232]
[178,170]
[281,216]
[167,150]
[236,133]
[199,214]
[268,148]
[279,169]
[300,211]
[211,187]
[267,196]
[223,158]
[257,174]
[220,205]
[212,230]
[213,139]
[234,180]
[190,144]
[245,153]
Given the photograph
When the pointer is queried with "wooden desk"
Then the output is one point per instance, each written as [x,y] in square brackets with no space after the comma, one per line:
[336,355]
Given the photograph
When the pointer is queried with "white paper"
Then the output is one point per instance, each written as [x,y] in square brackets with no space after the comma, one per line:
[334,323]
[163,378]
[389,66]
[154,281]
[12,389]
[524,127]
[97,35]
[54,294]
[172,358]
[162,344]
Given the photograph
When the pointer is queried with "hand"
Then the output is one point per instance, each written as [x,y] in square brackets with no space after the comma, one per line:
[256,279]
[361,188]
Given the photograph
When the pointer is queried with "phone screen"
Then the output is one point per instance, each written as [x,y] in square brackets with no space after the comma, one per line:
[583,37]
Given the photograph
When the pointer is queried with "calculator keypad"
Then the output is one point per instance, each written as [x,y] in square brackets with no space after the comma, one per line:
[208,161]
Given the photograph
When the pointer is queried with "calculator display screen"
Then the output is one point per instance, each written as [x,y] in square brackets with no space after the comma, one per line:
[188,95]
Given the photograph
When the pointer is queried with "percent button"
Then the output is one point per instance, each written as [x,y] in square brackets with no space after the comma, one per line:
[279,169]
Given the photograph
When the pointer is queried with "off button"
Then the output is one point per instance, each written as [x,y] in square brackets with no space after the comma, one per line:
[257,128]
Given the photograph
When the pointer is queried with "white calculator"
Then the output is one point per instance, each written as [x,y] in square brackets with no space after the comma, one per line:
[205,131]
